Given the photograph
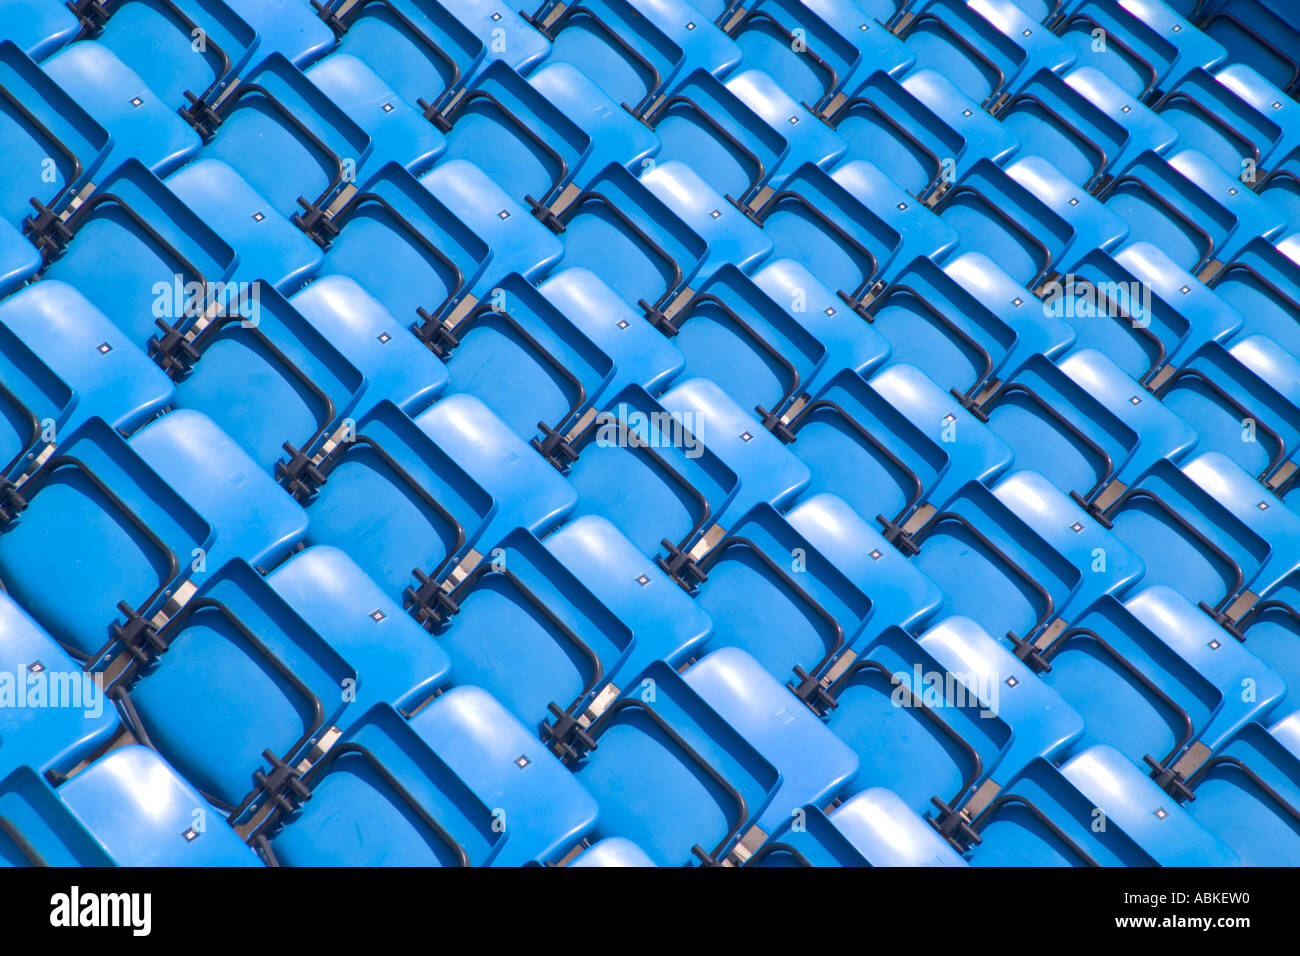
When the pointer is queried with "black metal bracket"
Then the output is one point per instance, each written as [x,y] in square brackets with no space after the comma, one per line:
[283,784]
[772,422]
[300,476]
[954,826]
[555,447]
[1225,622]
[681,567]
[898,537]
[201,116]
[174,353]
[138,636]
[566,736]
[316,222]
[46,230]
[11,501]
[1028,652]
[544,215]
[813,692]
[91,15]
[429,603]
[1169,780]
[434,333]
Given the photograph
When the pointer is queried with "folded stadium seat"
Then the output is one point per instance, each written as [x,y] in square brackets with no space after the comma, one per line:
[872,828]
[904,432]
[1248,795]
[1231,668]
[57,373]
[769,473]
[1056,428]
[848,246]
[139,254]
[1148,47]
[237,366]
[1279,372]
[922,233]
[37,28]
[645,470]
[988,49]
[250,517]
[1239,119]
[527,492]
[923,130]
[395,223]
[817,51]
[381,797]
[143,124]
[967,325]
[1198,214]
[1027,543]
[544,138]
[1083,125]
[771,593]
[270,248]
[1236,411]
[813,763]
[763,353]
[294,30]
[1263,284]
[1154,433]
[1258,32]
[36,829]
[1043,724]
[896,697]
[76,719]
[1149,688]
[397,130]
[527,361]
[395,661]
[503,32]
[390,497]
[612,851]
[518,604]
[1270,630]
[1159,314]
[143,813]
[643,249]
[637,49]
[1029,219]
[666,624]
[294,693]
[518,242]
[418,48]
[1182,524]
[1097,809]
[541,807]
[395,365]
[899,593]
[54,149]
[737,148]
[97,497]
[671,774]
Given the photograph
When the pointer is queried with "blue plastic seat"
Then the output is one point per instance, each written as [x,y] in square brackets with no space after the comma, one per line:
[1048,817]
[395,501]
[54,148]
[612,852]
[636,49]
[285,690]
[37,28]
[541,807]
[39,830]
[98,497]
[988,49]
[271,358]
[138,253]
[521,603]
[381,797]
[1258,33]
[59,374]
[836,45]
[75,720]
[671,774]
[395,661]
[1263,285]
[143,813]
[814,764]
[1149,46]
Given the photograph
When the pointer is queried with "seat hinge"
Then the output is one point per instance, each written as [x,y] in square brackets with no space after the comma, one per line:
[48,230]
[283,785]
